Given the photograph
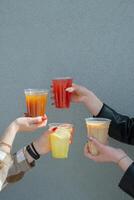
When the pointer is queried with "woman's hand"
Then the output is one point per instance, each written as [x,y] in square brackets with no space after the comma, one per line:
[106,153]
[79,93]
[109,154]
[20,124]
[42,143]
[23,124]
[83,95]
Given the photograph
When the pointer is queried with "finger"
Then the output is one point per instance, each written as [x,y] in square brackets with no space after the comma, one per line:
[42,124]
[75,86]
[91,157]
[51,90]
[52,97]
[88,154]
[50,131]
[70,89]
[53,129]
[35,120]
[86,149]
[96,143]
[44,117]
[26,114]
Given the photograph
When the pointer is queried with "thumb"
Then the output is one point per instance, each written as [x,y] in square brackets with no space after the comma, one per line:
[70,89]
[74,88]
[50,131]
[35,120]
[96,143]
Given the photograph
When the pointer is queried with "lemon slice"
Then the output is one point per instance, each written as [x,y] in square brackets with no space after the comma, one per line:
[62,133]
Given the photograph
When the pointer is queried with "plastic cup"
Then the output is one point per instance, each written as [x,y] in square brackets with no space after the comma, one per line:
[36,101]
[61,96]
[97,128]
[60,140]
[66,125]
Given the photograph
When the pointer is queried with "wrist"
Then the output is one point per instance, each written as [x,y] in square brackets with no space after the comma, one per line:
[93,103]
[14,125]
[28,157]
[37,146]
[125,162]
[41,145]
[86,97]
[5,147]
[118,156]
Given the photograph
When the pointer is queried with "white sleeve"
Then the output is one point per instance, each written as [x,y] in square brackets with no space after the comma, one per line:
[5,164]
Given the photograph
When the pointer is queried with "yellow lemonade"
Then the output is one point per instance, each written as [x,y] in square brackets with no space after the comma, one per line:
[60,140]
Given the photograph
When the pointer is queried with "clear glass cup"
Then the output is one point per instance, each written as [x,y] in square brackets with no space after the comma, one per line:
[97,128]
[62,97]
[36,102]
[60,139]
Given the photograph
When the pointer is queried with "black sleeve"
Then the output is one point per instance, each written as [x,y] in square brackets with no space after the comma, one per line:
[121,127]
[127,181]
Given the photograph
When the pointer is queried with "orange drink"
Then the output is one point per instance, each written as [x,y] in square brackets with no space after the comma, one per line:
[36,101]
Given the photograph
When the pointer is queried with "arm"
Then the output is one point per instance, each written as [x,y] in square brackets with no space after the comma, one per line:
[21,124]
[23,161]
[120,158]
[121,128]
[6,141]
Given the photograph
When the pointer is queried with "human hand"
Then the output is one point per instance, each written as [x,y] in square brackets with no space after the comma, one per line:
[30,123]
[83,95]
[106,153]
[42,143]
[79,93]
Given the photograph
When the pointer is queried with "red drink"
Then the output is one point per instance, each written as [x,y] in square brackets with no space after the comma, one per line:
[61,96]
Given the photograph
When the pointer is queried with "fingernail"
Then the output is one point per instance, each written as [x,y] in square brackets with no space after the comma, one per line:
[54,129]
[26,114]
[44,118]
[69,89]
[39,118]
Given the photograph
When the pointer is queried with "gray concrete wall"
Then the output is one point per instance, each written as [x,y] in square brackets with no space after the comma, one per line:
[90,40]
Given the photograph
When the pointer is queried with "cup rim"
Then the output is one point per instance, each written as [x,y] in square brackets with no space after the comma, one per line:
[31,91]
[62,78]
[97,119]
[58,124]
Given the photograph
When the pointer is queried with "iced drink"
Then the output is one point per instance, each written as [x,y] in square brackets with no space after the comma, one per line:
[60,141]
[61,96]
[98,128]
[36,101]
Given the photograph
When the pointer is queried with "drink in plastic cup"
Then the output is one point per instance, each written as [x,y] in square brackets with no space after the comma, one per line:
[97,128]
[65,125]
[36,101]
[61,96]
[60,140]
